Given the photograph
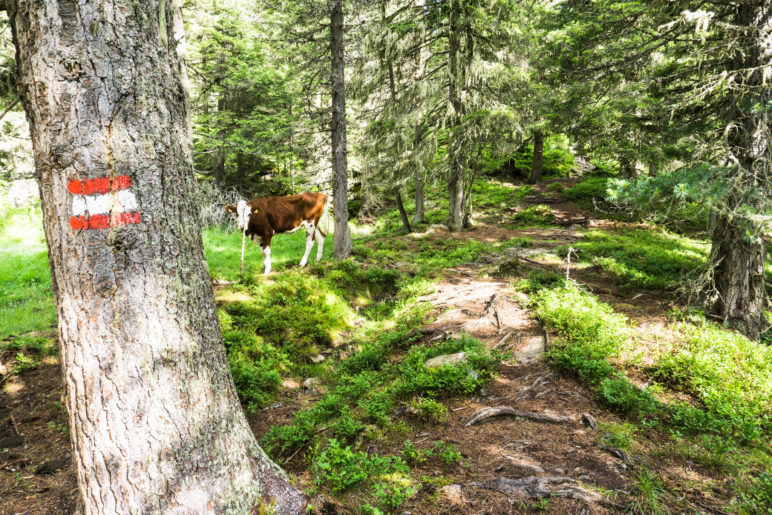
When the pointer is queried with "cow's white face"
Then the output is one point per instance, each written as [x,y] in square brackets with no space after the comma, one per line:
[241,212]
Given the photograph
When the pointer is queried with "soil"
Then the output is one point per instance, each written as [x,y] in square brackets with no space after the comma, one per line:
[467,300]
[36,471]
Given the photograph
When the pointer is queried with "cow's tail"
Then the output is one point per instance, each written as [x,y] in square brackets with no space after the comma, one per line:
[326,216]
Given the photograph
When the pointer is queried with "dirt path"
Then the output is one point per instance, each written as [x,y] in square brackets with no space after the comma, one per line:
[505,446]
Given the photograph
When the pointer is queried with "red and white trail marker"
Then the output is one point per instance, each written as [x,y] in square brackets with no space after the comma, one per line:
[102,203]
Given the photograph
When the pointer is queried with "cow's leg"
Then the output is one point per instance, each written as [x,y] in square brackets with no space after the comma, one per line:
[267,259]
[319,244]
[310,229]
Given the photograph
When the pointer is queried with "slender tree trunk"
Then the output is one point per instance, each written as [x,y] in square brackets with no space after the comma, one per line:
[418,215]
[218,159]
[737,252]
[456,172]
[653,169]
[403,213]
[537,169]
[155,422]
[342,238]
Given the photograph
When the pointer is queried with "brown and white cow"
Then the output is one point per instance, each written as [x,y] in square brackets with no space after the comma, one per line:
[261,218]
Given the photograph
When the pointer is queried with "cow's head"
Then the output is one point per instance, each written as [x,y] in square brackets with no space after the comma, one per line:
[242,211]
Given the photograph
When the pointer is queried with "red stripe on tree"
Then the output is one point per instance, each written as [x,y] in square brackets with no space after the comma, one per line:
[104,221]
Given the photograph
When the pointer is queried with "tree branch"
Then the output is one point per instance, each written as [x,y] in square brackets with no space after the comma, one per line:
[18,99]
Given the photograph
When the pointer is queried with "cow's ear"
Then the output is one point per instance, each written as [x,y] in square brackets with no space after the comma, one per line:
[230,209]
[255,210]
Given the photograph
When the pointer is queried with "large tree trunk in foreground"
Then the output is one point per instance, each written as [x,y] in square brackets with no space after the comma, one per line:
[342,237]
[155,421]
[737,253]
[537,168]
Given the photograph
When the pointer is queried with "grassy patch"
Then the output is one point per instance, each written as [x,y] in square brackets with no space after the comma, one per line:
[641,258]
[539,214]
[26,298]
[589,191]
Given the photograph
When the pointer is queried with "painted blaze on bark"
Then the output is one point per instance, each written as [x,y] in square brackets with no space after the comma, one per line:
[155,421]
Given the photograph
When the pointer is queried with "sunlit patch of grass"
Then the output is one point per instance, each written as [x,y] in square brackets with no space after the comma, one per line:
[26,298]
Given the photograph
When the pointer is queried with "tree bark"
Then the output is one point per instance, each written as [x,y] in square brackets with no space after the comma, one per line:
[418,215]
[155,422]
[537,169]
[737,252]
[403,213]
[456,172]
[342,237]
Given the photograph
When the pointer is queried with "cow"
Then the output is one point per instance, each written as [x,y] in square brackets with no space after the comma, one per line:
[261,218]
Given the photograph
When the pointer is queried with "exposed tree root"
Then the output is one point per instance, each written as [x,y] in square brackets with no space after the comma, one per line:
[506,410]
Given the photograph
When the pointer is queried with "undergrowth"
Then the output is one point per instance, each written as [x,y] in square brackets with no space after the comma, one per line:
[640,258]
[727,377]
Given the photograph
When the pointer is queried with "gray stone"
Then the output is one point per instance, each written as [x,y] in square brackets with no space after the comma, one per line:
[312,382]
[318,359]
[531,348]
[446,359]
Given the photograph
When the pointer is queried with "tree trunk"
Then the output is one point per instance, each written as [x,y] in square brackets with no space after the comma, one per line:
[155,422]
[626,168]
[418,215]
[653,169]
[342,238]
[403,213]
[737,252]
[537,169]
[456,173]
[218,158]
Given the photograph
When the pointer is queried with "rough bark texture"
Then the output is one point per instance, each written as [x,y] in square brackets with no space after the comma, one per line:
[737,252]
[155,421]
[342,238]
[456,172]
[537,169]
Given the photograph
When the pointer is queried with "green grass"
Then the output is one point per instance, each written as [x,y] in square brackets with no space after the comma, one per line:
[588,191]
[650,259]
[26,298]
[539,214]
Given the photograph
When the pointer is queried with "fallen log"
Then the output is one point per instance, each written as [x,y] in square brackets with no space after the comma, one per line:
[506,410]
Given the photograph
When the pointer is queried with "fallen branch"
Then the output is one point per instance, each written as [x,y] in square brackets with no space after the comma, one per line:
[503,340]
[506,410]
[540,487]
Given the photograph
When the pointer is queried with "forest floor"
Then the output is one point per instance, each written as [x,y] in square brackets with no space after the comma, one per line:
[361,431]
